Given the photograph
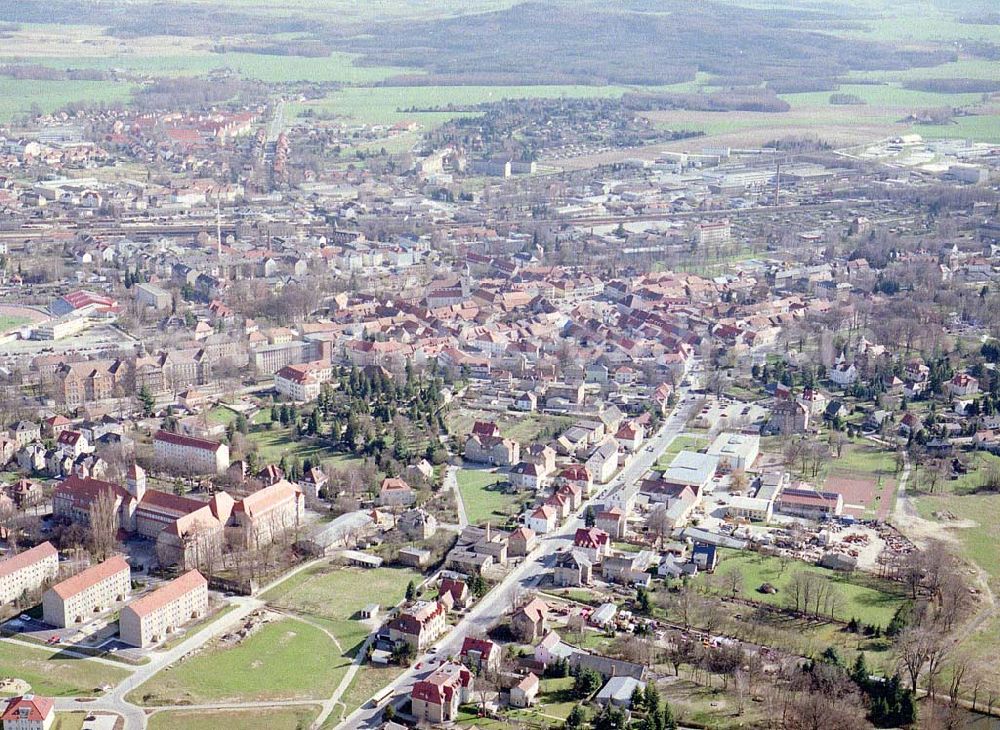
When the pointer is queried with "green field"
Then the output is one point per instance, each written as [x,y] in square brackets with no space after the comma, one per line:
[369,680]
[286,659]
[221,414]
[862,597]
[292,718]
[889,95]
[482,502]
[274,443]
[679,444]
[55,674]
[331,592]
[9,322]
[19,96]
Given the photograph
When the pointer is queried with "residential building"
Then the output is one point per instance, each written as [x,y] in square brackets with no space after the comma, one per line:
[493,450]
[420,625]
[521,542]
[28,712]
[611,521]
[395,492]
[436,699]
[544,519]
[302,382]
[259,518]
[752,509]
[94,589]
[27,572]
[189,454]
[530,621]
[153,617]
[592,542]
[572,568]
[789,417]
[523,693]
[480,655]
[417,524]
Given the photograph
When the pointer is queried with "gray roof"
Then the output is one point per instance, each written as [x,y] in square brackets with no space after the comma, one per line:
[692,468]
[619,689]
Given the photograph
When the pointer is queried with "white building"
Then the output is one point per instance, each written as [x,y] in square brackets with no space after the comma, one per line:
[735,450]
[29,712]
[27,571]
[150,619]
[192,455]
[302,382]
[86,593]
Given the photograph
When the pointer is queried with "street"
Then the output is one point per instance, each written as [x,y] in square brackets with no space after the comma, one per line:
[527,575]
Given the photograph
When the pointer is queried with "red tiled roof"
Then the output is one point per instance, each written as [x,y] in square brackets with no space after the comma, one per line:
[167,594]
[179,440]
[91,576]
[28,557]
[39,708]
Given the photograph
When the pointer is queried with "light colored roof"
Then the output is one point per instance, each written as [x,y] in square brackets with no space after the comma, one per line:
[690,467]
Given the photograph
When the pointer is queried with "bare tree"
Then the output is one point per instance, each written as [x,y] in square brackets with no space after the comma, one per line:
[103,517]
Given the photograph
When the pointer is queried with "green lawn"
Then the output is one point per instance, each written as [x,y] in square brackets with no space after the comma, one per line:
[291,718]
[679,444]
[369,680]
[862,597]
[69,720]
[54,673]
[277,442]
[221,414]
[9,322]
[482,502]
[333,593]
[889,95]
[287,659]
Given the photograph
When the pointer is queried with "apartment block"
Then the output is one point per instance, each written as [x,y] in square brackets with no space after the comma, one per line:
[86,593]
[150,619]
[27,571]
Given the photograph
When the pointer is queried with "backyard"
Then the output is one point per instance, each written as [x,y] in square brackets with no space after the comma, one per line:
[483,500]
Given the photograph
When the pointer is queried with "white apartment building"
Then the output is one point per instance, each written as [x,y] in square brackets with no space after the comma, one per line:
[27,571]
[90,591]
[150,619]
[302,382]
[193,455]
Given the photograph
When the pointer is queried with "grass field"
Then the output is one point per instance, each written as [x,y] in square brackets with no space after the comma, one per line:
[523,427]
[19,96]
[861,597]
[292,718]
[277,442]
[9,322]
[221,414]
[287,659]
[482,502]
[887,95]
[332,592]
[69,720]
[54,673]
[679,444]
[369,680]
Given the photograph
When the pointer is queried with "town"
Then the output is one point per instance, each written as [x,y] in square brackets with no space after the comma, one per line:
[529,412]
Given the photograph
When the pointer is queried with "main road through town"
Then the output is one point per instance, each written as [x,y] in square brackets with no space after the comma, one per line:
[528,574]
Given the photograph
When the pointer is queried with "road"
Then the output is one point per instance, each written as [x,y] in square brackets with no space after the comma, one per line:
[528,574]
[135,717]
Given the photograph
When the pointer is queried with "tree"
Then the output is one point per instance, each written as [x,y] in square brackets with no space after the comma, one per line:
[411,591]
[147,401]
[586,683]
[103,516]
[589,517]
[577,718]
[610,718]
